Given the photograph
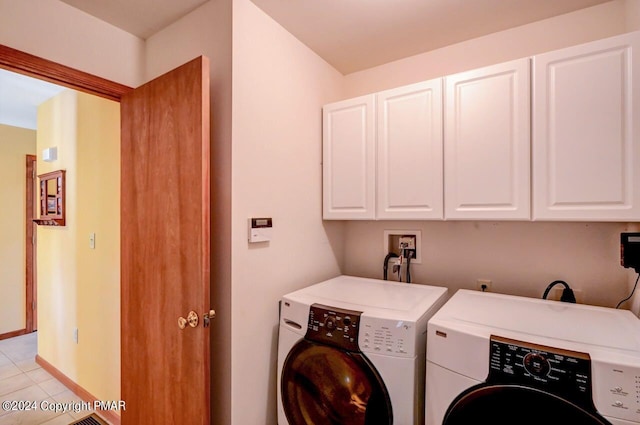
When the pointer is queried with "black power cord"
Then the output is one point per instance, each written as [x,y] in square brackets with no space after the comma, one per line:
[631,294]
[409,256]
[385,267]
[567,294]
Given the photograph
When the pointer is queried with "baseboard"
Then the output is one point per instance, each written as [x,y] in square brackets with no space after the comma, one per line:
[85,395]
[13,333]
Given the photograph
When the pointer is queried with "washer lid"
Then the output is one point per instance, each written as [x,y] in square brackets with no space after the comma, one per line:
[379,298]
[597,326]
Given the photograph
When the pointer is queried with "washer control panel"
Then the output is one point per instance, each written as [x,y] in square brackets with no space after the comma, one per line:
[334,326]
[389,337]
[561,372]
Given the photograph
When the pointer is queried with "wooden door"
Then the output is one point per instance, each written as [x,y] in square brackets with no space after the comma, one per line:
[165,248]
[487,143]
[348,165]
[586,134]
[409,174]
[31,324]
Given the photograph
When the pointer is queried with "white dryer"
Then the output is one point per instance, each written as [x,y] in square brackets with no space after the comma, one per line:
[502,359]
[351,351]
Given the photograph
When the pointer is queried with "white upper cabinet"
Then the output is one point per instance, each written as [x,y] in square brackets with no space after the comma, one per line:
[487,143]
[349,159]
[409,136]
[586,130]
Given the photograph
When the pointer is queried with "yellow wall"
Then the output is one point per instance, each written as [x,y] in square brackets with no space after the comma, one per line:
[79,287]
[15,144]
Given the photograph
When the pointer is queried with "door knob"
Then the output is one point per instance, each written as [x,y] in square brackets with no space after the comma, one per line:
[206,318]
[192,318]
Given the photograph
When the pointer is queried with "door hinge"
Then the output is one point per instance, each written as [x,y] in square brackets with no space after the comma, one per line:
[33,305]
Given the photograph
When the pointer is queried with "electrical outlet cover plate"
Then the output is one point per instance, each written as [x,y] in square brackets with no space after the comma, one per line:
[556,293]
[483,282]
[407,242]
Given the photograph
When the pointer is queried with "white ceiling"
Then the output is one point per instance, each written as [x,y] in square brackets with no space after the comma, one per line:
[20,96]
[139,17]
[349,34]
[353,35]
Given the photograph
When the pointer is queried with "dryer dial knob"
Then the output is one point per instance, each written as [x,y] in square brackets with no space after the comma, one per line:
[330,323]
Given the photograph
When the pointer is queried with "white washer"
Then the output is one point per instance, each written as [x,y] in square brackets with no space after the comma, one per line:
[503,359]
[352,351]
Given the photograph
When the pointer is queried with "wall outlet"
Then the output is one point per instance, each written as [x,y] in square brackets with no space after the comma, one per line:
[75,335]
[407,242]
[483,285]
[92,240]
[556,293]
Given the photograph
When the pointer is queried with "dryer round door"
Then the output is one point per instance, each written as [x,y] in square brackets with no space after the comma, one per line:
[323,385]
[515,404]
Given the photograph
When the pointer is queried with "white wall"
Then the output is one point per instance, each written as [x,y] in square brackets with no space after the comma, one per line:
[279,86]
[521,258]
[56,31]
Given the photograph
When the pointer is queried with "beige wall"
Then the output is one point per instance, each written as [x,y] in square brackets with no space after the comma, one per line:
[15,144]
[279,86]
[520,258]
[56,31]
[79,287]
[56,264]
[98,270]
[634,303]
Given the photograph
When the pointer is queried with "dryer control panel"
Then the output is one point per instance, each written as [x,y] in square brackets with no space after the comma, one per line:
[334,326]
[561,372]
[618,391]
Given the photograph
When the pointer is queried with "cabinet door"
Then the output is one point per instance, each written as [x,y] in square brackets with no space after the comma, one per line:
[487,143]
[348,167]
[586,128]
[409,136]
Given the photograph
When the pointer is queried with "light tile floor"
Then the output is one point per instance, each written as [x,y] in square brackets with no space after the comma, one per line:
[21,378]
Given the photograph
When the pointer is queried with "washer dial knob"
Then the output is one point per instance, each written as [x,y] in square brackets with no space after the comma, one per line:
[330,323]
[537,365]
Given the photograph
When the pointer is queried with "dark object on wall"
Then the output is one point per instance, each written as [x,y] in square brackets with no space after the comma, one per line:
[630,251]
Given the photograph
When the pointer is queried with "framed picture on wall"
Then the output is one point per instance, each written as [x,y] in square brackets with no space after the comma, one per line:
[51,205]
